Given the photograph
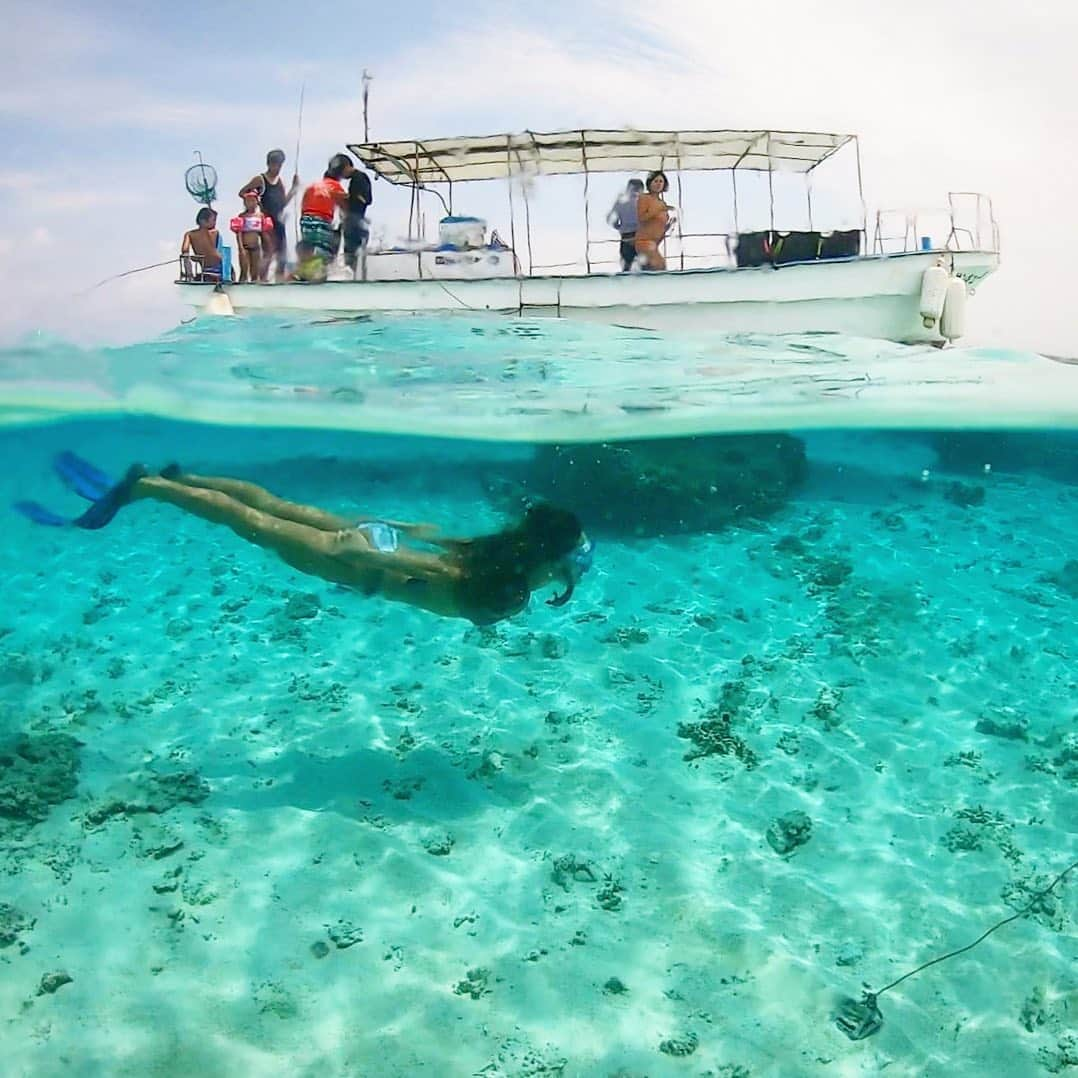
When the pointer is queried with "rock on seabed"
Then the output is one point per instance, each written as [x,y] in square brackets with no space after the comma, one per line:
[671,485]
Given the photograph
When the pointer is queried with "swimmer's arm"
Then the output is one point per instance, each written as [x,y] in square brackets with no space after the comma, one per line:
[185,247]
[254,182]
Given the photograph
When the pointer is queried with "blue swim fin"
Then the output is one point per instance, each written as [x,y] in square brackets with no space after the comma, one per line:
[40,515]
[111,502]
[81,476]
[100,513]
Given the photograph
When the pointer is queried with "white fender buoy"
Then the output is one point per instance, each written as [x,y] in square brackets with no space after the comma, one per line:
[219,304]
[933,294]
[953,319]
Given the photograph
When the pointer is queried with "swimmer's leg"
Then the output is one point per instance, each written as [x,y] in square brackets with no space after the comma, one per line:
[301,546]
[259,498]
[256,497]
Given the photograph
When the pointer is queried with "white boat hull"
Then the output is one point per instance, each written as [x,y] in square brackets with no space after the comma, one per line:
[876,296]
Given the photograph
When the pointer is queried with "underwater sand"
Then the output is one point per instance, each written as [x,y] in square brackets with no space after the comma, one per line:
[430,848]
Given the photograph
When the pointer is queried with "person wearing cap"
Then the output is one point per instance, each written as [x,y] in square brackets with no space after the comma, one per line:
[274,199]
[354,221]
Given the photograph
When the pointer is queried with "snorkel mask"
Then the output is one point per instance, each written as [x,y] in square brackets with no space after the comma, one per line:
[572,568]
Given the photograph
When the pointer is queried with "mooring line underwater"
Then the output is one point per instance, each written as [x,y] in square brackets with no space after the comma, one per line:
[861,1018]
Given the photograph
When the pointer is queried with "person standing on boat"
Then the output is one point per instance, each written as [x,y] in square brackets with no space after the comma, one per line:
[274,199]
[251,227]
[653,221]
[622,216]
[320,202]
[354,225]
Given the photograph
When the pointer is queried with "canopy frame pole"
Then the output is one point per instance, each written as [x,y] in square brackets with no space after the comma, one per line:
[512,213]
[422,187]
[527,217]
[733,175]
[733,182]
[413,205]
[808,196]
[861,190]
[680,205]
[770,183]
[587,215]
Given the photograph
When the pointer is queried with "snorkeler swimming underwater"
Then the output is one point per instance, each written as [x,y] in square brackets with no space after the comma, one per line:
[484,579]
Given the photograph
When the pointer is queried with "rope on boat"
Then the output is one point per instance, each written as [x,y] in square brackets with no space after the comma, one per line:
[452,295]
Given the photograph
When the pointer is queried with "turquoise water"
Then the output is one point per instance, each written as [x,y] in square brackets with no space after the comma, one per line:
[539,381]
[809,721]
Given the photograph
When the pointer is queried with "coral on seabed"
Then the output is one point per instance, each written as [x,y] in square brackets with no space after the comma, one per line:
[788,832]
[13,923]
[149,792]
[36,772]
[671,485]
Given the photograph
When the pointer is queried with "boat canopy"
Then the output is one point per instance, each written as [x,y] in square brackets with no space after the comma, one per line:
[491,157]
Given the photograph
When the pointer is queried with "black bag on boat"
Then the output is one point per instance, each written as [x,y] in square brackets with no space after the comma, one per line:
[841,244]
[753,248]
[796,247]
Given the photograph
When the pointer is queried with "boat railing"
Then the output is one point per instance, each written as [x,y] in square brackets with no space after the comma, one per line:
[966,223]
[720,255]
[192,270]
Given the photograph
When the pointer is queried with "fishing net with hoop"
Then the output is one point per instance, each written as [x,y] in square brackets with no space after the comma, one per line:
[201,183]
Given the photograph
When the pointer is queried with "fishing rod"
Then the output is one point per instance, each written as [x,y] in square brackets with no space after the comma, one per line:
[126,273]
[295,160]
[367,77]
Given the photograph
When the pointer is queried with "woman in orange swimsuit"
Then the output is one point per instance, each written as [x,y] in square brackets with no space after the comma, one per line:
[653,222]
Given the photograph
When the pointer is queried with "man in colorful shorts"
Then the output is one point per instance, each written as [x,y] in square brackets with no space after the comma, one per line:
[320,203]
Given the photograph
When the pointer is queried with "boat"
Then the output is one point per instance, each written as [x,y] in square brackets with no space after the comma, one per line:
[898,283]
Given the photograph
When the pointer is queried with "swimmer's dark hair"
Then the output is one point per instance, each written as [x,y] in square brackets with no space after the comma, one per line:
[337,165]
[655,175]
[204,214]
[496,569]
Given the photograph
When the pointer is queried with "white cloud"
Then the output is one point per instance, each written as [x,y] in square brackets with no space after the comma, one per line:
[19,181]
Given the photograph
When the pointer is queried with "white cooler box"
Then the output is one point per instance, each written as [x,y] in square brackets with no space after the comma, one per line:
[462,231]
[483,263]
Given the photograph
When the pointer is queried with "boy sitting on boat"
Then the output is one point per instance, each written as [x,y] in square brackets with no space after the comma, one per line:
[200,250]
[254,236]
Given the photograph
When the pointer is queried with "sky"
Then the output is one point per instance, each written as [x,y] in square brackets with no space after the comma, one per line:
[102,109]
